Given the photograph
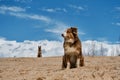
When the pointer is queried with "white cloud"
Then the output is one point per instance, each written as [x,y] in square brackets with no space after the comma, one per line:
[81,33]
[53,48]
[58,27]
[20,12]
[57,30]
[31,16]
[49,10]
[117,8]
[117,23]
[79,8]
[20,1]
[54,9]
[11,8]
[64,10]
[23,1]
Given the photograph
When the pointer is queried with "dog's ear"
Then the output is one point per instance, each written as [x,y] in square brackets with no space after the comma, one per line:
[74,30]
[75,33]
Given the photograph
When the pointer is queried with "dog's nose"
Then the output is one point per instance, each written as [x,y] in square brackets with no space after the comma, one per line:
[62,35]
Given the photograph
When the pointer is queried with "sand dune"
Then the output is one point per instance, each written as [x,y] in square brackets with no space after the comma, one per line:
[49,68]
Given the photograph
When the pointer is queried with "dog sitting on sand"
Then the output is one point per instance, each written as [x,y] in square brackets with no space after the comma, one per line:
[72,48]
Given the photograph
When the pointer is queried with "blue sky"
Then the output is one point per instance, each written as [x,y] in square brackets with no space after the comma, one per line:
[46,19]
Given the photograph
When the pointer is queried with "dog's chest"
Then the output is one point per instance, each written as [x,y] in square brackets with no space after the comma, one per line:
[70,50]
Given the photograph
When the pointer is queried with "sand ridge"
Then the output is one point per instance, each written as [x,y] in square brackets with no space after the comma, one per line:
[49,68]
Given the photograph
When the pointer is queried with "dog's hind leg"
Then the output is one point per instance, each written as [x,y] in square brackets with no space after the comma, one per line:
[81,63]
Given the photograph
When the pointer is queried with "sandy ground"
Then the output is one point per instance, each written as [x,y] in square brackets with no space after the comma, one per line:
[96,68]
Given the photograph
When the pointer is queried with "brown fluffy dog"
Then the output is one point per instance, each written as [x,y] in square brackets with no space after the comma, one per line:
[72,48]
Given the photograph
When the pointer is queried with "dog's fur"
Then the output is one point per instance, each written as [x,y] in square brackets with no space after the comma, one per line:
[72,48]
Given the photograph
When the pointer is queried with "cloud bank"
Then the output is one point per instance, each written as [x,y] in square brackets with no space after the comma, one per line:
[54,48]
[29,48]
[6,9]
